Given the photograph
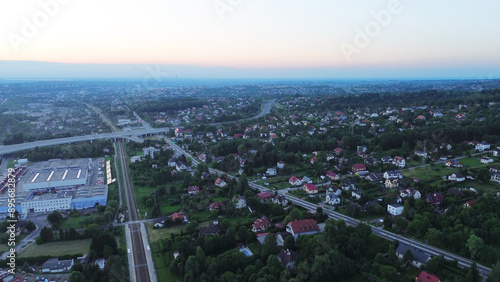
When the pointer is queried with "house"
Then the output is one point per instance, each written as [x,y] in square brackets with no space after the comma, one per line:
[280,200]
[348,184]
[332,175]
[180,166]
[410,192]
[486,160]
[455,192]
[281,165]
[241,202]
[211,229]
[427,277]
[374,177]
[356,193]
[482,146]
[419,258]
[216,206]
[287,258]
[358,167]
[306,180]
[332,199]
[280,238]
[370,161]
[335,191]
[399,161]
[202,157]
[435,198]
[179,133]
[454,163]
[220,182]
[265,196]
[294,181]
[456,177]
[261,224]
[338,151]
[193,190]
[393,174]
[302,227]
[172,163]
[204,175]
[495,177]
[54,265]
[312,160]
[495,168]
[470,204]
[420,117]
[150,151]
[420,153]
[271,171]
[310,189]
[395,209]
[178,216]
[386,160]
[392,183]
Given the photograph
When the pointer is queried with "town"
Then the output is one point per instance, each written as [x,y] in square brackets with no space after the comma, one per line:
[292,183]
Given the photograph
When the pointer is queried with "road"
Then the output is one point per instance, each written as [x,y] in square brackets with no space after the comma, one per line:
[141,268]
[132,135]
[40,221]
[430,250]
[103,117]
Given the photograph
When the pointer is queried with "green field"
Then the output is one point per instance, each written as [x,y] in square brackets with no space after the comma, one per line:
[169,209]
[57,248]
[429,172]
[72,222]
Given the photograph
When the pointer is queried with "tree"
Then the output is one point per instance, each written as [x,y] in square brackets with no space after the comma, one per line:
[495,273]
[269,246]
[77,276]
[30,226]
[46,235]
[475,245]
[55,218]
[408,257]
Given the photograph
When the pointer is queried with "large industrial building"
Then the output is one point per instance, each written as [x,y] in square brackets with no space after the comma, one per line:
[56,185]
[56,174]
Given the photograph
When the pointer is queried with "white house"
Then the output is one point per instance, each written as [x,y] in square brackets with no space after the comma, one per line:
[281,165]
[393,174]
[486,160]
[271,171]
[410,192]
[332,199]
[302,227]
[495,177]
[456,177]
[395,209]
[482,146]
[399,161]
[241,202]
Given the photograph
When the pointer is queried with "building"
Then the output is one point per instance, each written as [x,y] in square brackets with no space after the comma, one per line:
[89,197]
[332,176]
[261,224]
[435,198]
[271,171]
[241,202]
[216,206]
[294,181]
[427,277]
[220,182]
[393,174]
[482,146]
[192,190]
[456,177]
[332,199]
[392,183]
[150,151]
[310,189]
[410,192]
[54,265]
[287,258]
[358,167]
[399,161]
[302,227]
[395,209]
[280,200]
[281,165]
[419,258]
[454,163]
[495,177]
[56,173]
[47,202]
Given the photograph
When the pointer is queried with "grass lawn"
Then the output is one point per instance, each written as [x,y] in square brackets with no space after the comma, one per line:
[10,163]
[72,222]
[4,248]
[166,209]
[57,248]
[218,199]
[428,173]
[487,187]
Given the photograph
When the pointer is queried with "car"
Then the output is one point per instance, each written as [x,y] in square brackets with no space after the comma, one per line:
[266,183]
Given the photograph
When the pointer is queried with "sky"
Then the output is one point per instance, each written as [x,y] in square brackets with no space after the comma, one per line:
[243,38]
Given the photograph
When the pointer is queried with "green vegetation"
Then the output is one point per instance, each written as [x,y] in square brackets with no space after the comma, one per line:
[57,248]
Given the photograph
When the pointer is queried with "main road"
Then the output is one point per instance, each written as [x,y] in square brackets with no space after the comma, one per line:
[430,250]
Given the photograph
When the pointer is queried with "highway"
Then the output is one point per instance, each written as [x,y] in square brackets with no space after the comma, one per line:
[430,250]
[139,257]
